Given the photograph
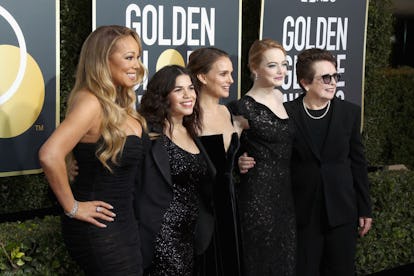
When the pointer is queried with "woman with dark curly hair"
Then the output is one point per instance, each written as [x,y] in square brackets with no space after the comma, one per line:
[173,197]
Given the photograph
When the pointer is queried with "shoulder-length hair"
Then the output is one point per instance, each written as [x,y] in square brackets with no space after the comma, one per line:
[155,105]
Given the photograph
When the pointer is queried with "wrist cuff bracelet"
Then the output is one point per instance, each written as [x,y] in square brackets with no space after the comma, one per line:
[72,212]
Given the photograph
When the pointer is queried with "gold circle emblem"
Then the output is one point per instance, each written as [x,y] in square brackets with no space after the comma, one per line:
[19,112]
[169,57]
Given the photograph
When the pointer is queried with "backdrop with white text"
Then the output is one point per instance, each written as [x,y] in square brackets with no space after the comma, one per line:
[336,25]
[171,30]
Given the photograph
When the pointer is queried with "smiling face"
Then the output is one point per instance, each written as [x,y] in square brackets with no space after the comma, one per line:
[272,69]
[182,98]
[218,79]
[123,62]
[317,88]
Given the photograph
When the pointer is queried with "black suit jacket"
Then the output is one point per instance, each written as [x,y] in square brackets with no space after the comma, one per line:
[154,195]
[340,167]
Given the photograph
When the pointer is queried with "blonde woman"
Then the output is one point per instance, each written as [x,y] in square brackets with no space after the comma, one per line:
[103,131]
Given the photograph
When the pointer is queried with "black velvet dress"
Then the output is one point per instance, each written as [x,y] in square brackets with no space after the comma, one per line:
[114,250]
[265,197]
[223,257]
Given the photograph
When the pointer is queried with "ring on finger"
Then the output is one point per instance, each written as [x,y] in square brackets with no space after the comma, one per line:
[98,209]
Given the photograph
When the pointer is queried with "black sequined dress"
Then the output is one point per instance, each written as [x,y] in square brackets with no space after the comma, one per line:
[174,244]
[114,250]
[265,196]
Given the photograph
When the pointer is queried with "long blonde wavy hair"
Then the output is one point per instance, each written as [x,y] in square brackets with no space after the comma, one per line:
[93,73]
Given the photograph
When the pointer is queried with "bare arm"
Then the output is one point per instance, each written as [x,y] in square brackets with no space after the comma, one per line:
[81,124]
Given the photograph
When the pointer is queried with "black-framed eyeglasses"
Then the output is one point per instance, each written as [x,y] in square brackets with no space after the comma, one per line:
[326,79]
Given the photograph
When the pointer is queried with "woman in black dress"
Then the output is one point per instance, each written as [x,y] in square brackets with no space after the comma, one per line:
[173,198]
[104,132]
[212,70]
[265,197]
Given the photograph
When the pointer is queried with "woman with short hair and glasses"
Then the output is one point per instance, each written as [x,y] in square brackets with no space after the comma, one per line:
[328,169]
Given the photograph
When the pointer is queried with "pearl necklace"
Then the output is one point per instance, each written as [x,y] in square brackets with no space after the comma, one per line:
[315,117]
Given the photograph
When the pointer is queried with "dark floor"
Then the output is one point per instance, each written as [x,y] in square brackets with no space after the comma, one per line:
[405,270]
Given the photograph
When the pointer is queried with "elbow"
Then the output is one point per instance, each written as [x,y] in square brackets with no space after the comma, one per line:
[46,157]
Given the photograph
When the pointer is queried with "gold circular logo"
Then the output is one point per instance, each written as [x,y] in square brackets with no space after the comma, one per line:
[169,57]
[21,110]
[22,89]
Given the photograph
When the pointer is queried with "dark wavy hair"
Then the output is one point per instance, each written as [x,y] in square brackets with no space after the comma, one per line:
[305,61]
[155,105]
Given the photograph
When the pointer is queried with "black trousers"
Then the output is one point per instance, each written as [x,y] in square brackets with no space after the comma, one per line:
[324,250]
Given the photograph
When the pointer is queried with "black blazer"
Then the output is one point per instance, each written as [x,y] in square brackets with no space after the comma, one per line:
[154,195]
[340,167]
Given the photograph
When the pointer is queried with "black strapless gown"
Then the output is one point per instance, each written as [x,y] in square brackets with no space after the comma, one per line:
[265,194]
[114,250]
[223,257]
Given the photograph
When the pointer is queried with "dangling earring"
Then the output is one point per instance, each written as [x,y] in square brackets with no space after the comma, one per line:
[255,76]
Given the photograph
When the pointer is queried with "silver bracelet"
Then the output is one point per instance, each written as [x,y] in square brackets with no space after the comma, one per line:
[72,212]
